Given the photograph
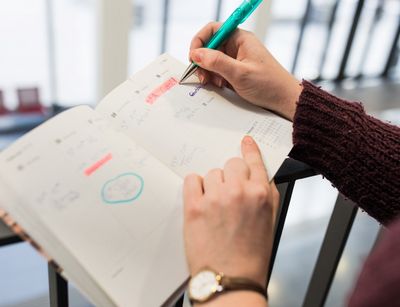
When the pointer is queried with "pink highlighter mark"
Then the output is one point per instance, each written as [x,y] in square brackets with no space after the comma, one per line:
[161,90]
[90,170]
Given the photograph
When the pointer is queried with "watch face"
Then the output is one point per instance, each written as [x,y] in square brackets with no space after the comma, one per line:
[203,285]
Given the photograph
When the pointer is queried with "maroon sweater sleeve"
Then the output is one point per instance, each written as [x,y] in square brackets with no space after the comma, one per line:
[359,154]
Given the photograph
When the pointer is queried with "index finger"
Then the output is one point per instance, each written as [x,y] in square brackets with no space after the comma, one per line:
[203,36]
[192,188]
[252,156]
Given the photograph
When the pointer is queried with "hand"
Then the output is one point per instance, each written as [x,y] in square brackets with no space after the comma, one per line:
[246,66]
[229,217]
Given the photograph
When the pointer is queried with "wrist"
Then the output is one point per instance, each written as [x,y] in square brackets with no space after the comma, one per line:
[207,285]
[291,99]
[236,298]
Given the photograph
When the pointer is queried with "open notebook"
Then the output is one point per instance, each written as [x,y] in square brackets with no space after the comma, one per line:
[100,190]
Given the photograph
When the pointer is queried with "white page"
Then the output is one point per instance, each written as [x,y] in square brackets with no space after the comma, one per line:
[191,128]
[12,204]
[115,208]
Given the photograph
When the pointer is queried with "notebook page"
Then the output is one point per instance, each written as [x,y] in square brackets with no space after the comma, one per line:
[11,203]
[114,207]
[192,128]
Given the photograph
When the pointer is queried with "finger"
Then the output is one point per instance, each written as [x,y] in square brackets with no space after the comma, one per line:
[276,197]
[238,39]
[228,85]
[212,181]
[200,74]
[207,77]
[224,83]
[274,190]
[236,169]
[217,62]
[203,36]
[204,75]
[192,189]
[252,156]
[217,80]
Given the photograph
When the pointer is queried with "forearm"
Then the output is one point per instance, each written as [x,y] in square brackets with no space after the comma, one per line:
[359,154]
[237,299]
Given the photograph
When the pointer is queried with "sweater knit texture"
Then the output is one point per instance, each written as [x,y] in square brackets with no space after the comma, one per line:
[360,155]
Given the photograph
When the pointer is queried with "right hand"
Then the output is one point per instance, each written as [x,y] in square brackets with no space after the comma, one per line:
[230,217]
[246,66]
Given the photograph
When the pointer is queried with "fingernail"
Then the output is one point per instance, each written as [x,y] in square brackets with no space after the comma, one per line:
[197,56]
[248,140]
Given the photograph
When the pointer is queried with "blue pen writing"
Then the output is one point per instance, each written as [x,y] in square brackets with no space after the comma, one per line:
[196,90]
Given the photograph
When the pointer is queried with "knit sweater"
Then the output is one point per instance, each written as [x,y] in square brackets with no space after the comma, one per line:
[360,155]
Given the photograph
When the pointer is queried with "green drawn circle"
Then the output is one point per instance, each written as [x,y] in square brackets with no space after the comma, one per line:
[113,202]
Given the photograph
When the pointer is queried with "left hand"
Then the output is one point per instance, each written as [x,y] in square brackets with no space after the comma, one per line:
[229,217]
[245,65]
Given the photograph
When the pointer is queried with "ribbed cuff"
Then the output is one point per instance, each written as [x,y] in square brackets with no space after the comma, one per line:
[359,154]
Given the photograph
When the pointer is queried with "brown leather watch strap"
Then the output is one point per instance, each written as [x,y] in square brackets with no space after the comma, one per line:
[238,283]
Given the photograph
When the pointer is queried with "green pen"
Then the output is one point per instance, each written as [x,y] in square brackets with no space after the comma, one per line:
[238,17]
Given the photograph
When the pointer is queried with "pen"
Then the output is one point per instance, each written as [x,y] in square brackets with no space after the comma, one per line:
[237,17]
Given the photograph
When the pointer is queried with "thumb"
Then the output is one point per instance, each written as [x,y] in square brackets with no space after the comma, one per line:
[217,62]
[253,158]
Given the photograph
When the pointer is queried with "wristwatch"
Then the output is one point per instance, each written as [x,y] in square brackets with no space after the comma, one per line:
[208,284]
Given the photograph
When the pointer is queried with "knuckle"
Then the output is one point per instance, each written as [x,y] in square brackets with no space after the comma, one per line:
[190,177]
[194,43]
[213,24]
[194,211]
[251,34]
[235,194]
[212,200]
[260,192]
[214,171]
[243,74]
[234,161]
[217,60]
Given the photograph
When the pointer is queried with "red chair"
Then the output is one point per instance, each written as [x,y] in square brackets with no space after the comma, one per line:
[3,109]
[29,101]
[1,102]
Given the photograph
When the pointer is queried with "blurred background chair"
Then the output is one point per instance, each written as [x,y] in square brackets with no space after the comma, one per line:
[29,100]
[3,109]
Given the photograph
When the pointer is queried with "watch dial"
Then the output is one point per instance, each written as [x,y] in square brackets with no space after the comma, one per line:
[203,285]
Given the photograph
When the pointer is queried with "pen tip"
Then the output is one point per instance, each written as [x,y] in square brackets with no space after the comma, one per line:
[189,71]
[183,79]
